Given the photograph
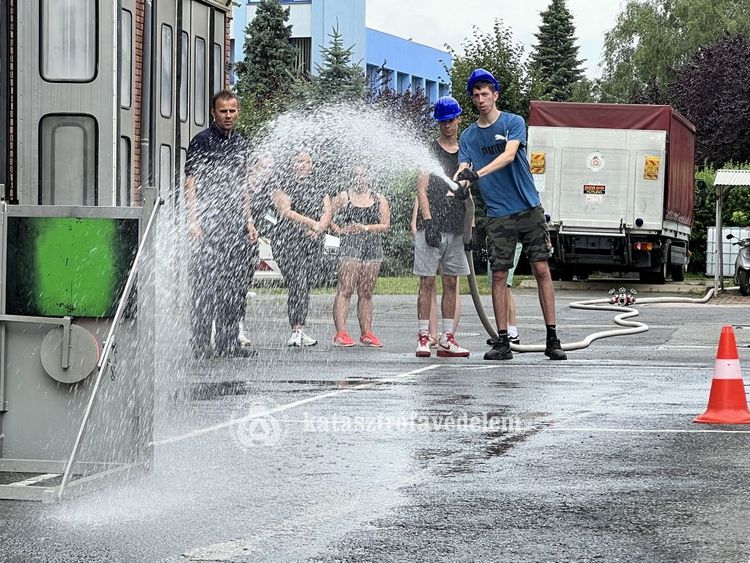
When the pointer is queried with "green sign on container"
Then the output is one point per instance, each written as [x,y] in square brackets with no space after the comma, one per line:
[61,266]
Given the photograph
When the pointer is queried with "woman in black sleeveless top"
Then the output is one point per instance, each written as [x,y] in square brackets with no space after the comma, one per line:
[361,217]
[305,212]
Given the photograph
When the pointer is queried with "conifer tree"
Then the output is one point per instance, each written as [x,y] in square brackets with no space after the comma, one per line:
[554,67]
[337,78]
[269,54]
[338,74]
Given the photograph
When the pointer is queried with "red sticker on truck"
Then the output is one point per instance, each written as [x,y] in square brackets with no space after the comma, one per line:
[594,189]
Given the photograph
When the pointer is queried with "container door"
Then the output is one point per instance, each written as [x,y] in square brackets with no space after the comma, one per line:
[165,100]
[67,98]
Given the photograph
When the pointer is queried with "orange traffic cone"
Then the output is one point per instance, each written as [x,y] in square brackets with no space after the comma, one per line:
[727,403]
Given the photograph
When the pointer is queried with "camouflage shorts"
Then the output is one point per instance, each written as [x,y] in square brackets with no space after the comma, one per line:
[528,227]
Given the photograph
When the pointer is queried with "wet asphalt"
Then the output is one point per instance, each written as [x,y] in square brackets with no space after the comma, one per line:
[375,455]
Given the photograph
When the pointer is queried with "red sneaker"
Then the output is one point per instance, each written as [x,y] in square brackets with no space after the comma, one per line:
[343,339]
[369,339]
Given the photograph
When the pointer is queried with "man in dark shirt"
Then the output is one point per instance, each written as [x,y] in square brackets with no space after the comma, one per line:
[221,230]
[439,239]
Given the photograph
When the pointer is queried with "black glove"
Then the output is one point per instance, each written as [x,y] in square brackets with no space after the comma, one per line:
[463,192]
[432,234]
[469,175]
[469,246]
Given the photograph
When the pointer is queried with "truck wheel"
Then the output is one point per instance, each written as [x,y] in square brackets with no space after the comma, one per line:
[566,274]
[743,280]
[678,273]
[657,278]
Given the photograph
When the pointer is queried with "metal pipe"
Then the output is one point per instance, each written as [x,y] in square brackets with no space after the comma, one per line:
[719,261]
[3,283]
[147,71]
[108,345]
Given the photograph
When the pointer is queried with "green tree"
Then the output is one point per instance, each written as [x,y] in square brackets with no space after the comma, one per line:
[734,212]
[713,90]
[554,66]
[411,109]
[498,52]
[654,38]
[338,78]
[266,73]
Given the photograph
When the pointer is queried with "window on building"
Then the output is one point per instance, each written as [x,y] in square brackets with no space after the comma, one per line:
[166,71]
[123,192]
[126,58]
[303,54]
[431,91]
[402,82]
[218,62]
[200,82]
[417,85]
[68,40]
[232,77]
[184,75]
[67,159]
[165,170]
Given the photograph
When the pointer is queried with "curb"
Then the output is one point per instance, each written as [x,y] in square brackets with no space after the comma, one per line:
[693,288]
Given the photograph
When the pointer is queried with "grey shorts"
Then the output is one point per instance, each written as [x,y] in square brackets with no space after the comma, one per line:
[450,256]
[359,248]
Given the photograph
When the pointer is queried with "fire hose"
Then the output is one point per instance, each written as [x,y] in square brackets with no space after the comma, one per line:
[618,304]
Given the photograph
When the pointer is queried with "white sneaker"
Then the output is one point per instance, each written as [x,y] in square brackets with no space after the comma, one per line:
[299,339]
[307,340]
[295,339]
[242,337]
[449,348]
[423,345]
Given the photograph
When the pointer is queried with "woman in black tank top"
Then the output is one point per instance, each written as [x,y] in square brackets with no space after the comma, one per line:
[361,216]
[304,210]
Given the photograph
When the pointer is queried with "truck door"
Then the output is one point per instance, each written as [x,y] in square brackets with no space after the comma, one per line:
[594,178]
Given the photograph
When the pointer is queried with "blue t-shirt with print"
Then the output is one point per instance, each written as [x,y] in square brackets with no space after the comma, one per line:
[510,189]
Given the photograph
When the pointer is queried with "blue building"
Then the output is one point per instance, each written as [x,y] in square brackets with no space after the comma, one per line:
[407,65]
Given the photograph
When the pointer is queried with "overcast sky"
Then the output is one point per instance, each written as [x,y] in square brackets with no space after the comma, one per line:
[437,22]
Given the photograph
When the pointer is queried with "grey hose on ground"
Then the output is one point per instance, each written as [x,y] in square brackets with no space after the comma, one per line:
[633,327]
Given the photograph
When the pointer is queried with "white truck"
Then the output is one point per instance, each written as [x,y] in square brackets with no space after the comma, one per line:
[617,185]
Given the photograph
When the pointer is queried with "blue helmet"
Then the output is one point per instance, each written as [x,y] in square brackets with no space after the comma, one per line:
[480,74]
[446,108]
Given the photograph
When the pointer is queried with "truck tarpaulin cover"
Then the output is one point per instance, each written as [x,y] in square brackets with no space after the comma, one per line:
[679,187]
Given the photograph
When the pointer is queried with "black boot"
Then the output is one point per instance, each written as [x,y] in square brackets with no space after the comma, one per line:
[554,350]
[500,349]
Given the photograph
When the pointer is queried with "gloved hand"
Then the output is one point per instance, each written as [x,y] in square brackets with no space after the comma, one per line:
[432,234]
[463,192]
[469,175]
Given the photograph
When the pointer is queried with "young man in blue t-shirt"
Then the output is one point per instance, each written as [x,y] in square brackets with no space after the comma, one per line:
[492,152]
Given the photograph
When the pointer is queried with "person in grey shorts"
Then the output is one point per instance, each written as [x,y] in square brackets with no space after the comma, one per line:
[361,216]
[439,239]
